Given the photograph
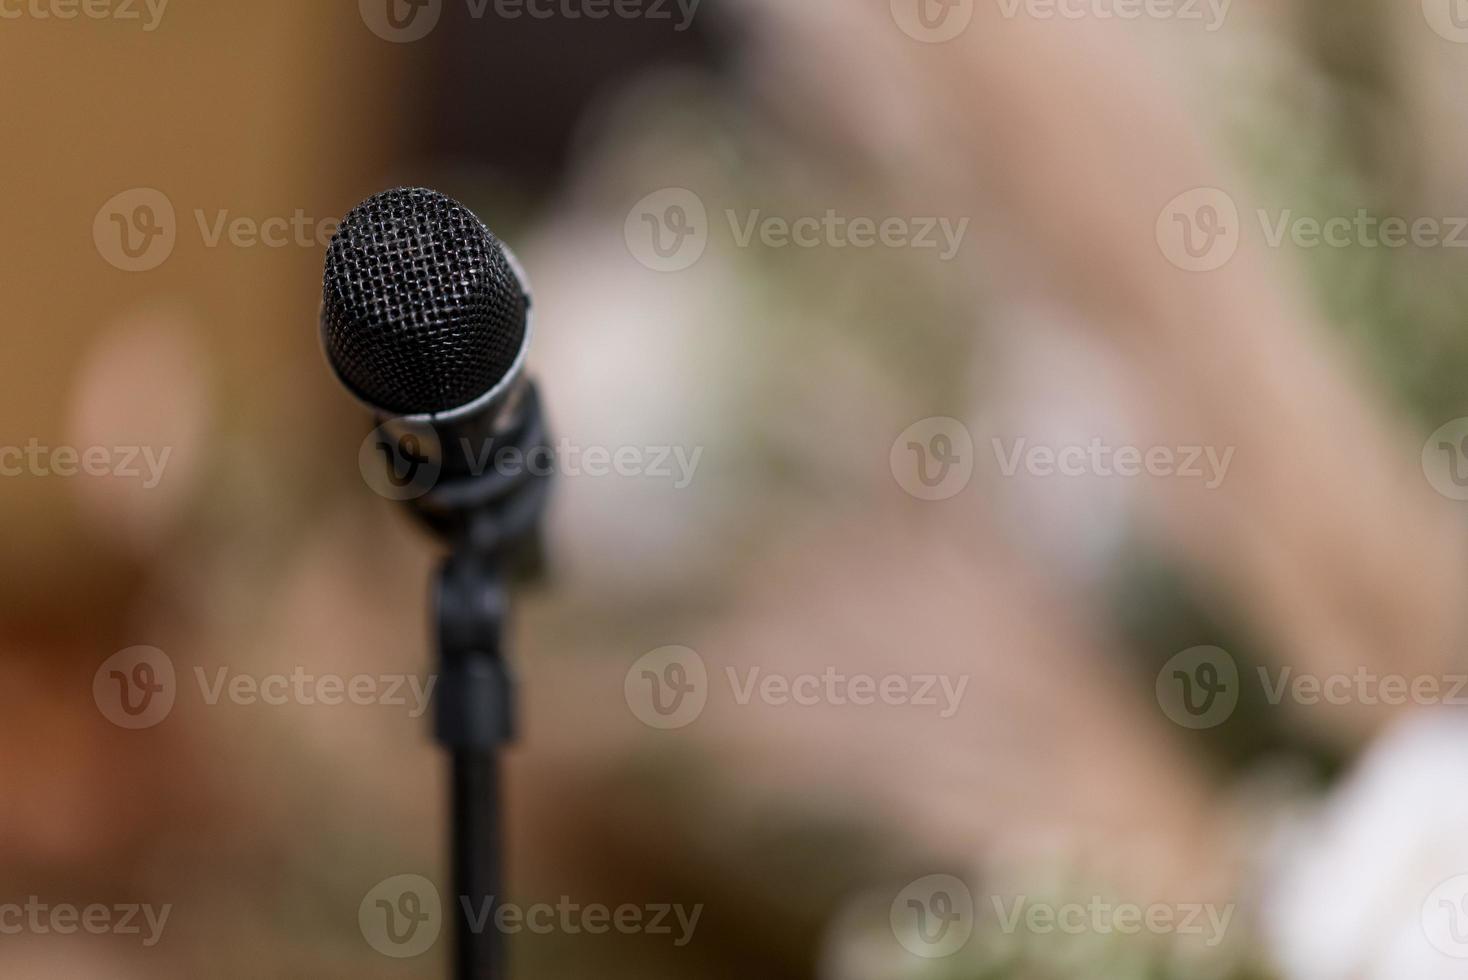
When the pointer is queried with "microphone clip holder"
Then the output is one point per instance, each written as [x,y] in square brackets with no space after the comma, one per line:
[491,521]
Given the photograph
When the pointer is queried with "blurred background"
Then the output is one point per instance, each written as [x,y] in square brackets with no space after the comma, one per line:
[1086,376]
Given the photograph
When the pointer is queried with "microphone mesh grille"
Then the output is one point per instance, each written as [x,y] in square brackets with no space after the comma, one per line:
[421,310]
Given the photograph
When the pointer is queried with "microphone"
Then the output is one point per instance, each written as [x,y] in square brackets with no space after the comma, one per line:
[425,318]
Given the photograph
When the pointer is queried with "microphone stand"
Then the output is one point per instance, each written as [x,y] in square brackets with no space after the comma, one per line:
[491,522]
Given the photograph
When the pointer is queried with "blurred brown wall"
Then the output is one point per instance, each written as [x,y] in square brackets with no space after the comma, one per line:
[258,110]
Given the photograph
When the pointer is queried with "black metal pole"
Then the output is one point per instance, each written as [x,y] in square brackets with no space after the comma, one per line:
[492,523]
[474,721]
[477,864]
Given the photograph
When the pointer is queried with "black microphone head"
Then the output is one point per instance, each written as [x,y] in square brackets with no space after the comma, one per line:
[424,312]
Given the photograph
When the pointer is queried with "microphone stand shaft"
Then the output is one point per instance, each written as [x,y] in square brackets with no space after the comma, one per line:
[477,863]
[475,720]
[492,521]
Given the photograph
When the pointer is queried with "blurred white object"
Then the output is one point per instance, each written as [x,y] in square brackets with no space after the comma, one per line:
[1374,886]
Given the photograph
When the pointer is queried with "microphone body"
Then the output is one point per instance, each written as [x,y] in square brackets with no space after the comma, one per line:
[426,319]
